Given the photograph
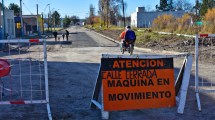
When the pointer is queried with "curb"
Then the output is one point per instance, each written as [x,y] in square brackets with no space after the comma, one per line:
[142,49]
[168,33]
[111,39]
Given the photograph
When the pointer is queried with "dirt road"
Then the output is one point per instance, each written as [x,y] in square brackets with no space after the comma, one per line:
[73,70]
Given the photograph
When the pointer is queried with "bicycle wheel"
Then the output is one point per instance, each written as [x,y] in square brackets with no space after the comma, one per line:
[122,48]
[131,49]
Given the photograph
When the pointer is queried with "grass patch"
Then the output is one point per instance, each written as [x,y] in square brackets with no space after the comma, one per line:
[145,36]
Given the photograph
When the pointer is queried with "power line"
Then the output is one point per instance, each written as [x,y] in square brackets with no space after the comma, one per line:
[73,12]
[41,3]
[40,7]
[27,8]
[44,9]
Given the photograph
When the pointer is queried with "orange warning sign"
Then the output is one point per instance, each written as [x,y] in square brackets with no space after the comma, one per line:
[137,83]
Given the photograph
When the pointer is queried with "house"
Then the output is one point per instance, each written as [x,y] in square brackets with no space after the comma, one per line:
[31,25]
[9,24]
[143,19]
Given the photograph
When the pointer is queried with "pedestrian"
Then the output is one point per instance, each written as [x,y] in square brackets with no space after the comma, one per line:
[63,35]
[67,35]
[55,35]
[6,37]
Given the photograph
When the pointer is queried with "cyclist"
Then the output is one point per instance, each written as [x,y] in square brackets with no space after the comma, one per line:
[128,36]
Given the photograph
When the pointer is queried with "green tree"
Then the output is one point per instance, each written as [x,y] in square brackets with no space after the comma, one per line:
[197,7]
[55,18]
[170,5]
[204,7]
[15,7]
[211,4]
[183,5]
[163,5]
[66,21]
[206,4]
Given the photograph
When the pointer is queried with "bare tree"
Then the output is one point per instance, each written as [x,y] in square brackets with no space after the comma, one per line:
[101,11]
[110,11]
[14,7]
[187,6]
[104,10]
[183,5]
[107,2]
[178,4]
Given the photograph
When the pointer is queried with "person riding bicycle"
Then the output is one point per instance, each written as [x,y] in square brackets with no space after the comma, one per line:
[128,36]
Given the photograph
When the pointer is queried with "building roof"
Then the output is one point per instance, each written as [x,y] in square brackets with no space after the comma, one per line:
[30,16]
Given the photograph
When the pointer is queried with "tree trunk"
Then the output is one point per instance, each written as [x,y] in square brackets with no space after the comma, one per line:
[107,2]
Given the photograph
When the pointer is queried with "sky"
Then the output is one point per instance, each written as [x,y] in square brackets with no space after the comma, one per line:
[77,7]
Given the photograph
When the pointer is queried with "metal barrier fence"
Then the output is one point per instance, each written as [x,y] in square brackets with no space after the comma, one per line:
[24,73]
[204,57]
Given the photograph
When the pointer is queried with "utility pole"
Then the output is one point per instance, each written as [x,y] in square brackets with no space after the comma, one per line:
[54,20]
[197,16]
[197,7]
[4,27]
[43,18]
[21,30]
[49,18]
[43,24]
[38,28]
[51,25]
[123,11]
